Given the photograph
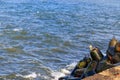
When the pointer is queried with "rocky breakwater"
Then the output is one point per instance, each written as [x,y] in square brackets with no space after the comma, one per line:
[97,66]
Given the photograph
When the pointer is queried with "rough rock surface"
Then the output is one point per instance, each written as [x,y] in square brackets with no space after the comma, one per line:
[109,74]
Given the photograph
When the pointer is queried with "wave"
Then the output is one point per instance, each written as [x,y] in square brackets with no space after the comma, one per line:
[33,76]
[63,72]
[30,76]
[55,75]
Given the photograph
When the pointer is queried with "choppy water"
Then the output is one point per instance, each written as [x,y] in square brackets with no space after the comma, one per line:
[39,38]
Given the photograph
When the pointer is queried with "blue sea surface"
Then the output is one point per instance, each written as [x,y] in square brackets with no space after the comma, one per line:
[39,38]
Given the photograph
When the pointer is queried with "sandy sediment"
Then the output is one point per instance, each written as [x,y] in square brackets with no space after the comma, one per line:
[109,74]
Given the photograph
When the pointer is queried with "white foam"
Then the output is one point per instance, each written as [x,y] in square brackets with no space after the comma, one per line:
[34,75]
[56,75]
[17,29]
[71,66]
[63,72]
[30,76]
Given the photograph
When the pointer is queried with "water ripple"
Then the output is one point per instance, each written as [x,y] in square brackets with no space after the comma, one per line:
[40,37]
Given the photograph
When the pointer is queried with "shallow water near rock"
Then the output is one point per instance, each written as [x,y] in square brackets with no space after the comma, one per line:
[39,38]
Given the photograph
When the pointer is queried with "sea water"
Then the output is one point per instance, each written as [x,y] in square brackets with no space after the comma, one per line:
[44,39]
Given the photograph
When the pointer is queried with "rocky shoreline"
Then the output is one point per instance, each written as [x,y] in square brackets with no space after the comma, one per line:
[98,66]
[109,74]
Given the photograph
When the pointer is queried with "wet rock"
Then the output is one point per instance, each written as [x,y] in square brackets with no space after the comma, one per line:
[79,72]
